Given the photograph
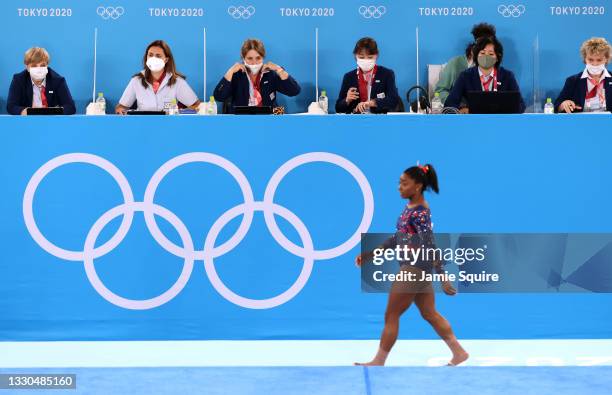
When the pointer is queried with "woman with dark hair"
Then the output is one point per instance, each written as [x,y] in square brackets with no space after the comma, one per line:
[456,65]
[158,83]
[253,83]
[415,221]
[370,88]
[487,75]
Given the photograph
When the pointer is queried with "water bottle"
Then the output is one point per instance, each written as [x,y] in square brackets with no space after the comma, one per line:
[173,108]
[436,104]
[549,107]
[212,106]
[167,105]
[101,103]
[324,102]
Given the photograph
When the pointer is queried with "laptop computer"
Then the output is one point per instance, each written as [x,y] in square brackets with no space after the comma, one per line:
[145,112]
[45,110]
[252,110]
[505,102]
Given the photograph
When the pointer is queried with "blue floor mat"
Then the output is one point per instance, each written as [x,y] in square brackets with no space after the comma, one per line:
[334,380]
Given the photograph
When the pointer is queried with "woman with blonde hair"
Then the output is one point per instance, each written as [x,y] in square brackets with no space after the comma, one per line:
[158,84]
[253,83]
[38,86]
[591,89]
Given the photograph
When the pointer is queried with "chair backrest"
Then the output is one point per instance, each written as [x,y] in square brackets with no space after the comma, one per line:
[433,76]
[400,106]
[227,106]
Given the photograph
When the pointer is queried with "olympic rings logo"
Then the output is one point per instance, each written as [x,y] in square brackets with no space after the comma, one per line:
[241,12]
[110,12]
[372,11]
[187,251]
[511,10]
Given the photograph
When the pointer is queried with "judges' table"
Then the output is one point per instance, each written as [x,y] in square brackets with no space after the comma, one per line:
[247,227]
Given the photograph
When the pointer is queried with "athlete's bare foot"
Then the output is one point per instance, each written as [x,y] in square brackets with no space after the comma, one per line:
[379,359]
[458,359]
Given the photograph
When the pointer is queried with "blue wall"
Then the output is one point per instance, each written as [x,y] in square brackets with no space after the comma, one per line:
[526,174]
[290,39]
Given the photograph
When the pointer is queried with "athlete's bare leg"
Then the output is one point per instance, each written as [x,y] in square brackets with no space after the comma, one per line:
[398,303]
[426,304]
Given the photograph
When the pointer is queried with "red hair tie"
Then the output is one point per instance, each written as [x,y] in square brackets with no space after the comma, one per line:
[424,168]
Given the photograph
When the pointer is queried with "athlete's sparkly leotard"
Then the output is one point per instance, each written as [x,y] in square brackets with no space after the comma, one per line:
[414,229]
[414,220]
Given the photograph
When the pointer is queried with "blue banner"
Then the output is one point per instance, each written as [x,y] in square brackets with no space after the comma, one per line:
[142,228]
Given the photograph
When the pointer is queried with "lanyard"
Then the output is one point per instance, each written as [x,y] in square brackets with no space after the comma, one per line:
[365,85]
[486,83]
[255,98]
[596,91]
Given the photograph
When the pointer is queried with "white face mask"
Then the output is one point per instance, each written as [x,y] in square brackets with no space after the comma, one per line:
[366,64]
[155,64]
[254,68]
[595,70]
[38,73]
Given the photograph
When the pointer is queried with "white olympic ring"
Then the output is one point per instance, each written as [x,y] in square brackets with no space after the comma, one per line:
[241,11]
[203,157]
[267,209]
[110,12]
[188,251]
[511,10]
[28,200]
[372,11]
[129,209]
[339,161]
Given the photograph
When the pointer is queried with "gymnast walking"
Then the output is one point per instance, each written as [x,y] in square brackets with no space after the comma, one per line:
[415,221]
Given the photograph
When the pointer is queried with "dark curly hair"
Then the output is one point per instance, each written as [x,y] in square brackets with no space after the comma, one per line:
[425,175]
[483,30]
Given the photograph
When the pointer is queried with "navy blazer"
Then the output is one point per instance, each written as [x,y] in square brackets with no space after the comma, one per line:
[384,91]
[21,94]
[238,89]
[575,89]
[469,80]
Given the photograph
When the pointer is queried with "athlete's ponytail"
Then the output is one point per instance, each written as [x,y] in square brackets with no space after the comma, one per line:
[425,175]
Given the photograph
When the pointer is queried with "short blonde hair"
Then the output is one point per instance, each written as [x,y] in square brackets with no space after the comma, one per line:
[255,44]
[36,55]
[595,46]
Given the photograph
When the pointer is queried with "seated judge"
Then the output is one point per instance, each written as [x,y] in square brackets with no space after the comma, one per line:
[591,89]
[157,84]
[370,88]
[487,75]
[253,83]
[456,65]
[38,86]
